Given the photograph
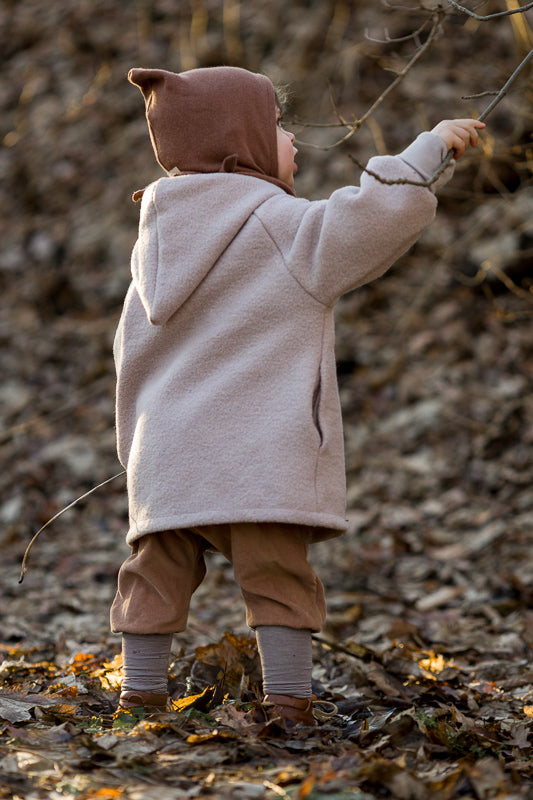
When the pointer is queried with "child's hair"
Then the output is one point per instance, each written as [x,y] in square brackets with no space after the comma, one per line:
[283,97]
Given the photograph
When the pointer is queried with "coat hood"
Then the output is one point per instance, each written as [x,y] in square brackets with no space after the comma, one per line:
[186,224]
[212,119]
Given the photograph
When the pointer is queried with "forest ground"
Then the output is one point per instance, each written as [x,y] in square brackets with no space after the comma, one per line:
[427,647]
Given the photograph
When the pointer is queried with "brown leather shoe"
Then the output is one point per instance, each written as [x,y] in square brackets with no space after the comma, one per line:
[150,701]
[292,710]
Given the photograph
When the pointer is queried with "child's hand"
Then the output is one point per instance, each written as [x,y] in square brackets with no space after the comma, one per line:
[458,134]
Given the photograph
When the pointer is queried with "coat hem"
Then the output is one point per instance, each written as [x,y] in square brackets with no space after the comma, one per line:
[327,525]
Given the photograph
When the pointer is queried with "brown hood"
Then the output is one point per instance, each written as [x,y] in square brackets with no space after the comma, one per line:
[213,119]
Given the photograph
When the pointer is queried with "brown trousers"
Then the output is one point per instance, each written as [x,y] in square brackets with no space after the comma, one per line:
[156,582]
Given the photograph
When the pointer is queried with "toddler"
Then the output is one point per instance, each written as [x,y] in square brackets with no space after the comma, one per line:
[228,415]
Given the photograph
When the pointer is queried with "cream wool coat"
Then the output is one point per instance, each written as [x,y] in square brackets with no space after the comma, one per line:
[227,399]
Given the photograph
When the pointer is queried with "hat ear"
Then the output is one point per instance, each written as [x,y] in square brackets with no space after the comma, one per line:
[145,79]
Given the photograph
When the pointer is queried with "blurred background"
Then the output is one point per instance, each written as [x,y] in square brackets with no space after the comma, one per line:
[435,360]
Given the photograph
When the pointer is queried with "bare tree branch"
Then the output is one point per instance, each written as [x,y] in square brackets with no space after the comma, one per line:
[490,16]
[505,89]
[394,40]
[437,16]
[353,127]
[404,181]
[435,29]
[478,96]
[483,116]
[399,7]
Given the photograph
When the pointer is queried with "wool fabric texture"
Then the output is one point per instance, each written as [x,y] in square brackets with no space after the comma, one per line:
[145,662]
[212,119]
[227,400]
[286,660]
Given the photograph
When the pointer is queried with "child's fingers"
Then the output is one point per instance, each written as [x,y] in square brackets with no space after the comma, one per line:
[471,127]
[472,132]
[464,138]
[474,135]
[458,144]
[458,140]
[459,134]
[470,123]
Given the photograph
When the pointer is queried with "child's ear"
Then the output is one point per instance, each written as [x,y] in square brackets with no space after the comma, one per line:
[145,79]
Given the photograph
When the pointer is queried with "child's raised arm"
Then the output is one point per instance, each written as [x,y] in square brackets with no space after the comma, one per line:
[332,246]
[459,134]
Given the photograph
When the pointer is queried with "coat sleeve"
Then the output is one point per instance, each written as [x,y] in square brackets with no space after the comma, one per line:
[332,246]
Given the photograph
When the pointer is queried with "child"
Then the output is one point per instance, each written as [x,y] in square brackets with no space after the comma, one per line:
[228,416]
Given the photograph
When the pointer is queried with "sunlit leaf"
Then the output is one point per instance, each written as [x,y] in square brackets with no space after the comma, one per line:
[215,735]
[201,702]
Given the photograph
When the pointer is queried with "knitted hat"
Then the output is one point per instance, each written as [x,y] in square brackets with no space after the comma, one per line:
[213,119]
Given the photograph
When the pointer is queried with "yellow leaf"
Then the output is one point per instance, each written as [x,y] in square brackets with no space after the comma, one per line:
[306,788]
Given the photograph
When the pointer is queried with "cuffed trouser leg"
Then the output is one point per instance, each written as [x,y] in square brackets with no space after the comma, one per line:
[156,582]
[145,658]
[286,660]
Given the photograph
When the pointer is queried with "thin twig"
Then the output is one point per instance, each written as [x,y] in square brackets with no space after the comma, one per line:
[353,127]
[401,75]
[478,96]
[317,125]
[482,18]
[46,524]
[386,4]
[504,90]
[334,107]
[395,40]
[404,181]
[482,117]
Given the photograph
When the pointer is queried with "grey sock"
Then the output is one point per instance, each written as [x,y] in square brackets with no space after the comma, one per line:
[145,660]
[286,659]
